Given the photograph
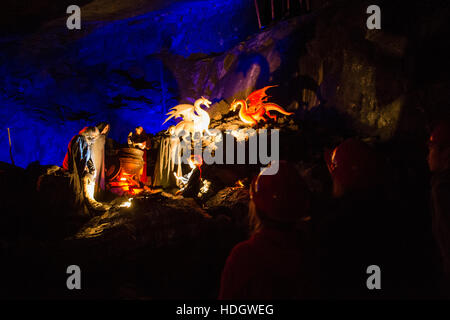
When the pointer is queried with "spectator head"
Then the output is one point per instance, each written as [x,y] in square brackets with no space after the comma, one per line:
[354,166]
[280,200]
[439,147]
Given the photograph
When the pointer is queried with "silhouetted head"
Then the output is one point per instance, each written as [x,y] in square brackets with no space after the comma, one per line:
[354,166]
[281,199]
[439,147]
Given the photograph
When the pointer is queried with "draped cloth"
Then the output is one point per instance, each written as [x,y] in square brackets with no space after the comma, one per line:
[168,162]
[143,178]
[98,157]
[78,162]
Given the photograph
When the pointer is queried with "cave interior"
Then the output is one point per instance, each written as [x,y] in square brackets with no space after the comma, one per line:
[132,61]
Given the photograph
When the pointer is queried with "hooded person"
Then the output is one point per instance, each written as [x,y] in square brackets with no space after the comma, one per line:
[275,263]
[193,179]
[98,157]
[78,162]
[363,227]
[439,164]
[169,160]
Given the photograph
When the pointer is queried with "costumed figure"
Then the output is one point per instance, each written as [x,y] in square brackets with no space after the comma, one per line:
[190,183]
[78,162]
[138,139]
[169,160]
[98,157]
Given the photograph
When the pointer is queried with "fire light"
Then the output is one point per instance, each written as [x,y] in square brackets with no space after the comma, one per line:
[125,184]
[205,187]
[137,191]
[126,204]
[239,184]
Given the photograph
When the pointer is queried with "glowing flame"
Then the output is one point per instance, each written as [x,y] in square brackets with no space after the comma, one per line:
[126,204]
[126,183]
[205,187]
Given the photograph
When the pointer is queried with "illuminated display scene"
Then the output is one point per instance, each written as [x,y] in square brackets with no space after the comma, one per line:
[214,151]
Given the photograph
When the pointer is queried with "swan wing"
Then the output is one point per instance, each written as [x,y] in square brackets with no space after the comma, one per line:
[186,111]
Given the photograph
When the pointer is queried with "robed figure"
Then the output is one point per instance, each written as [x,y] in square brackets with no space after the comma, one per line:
[78,162]
[98,157]
[169,160]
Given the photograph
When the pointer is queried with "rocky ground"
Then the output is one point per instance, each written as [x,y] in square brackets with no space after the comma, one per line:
[162,246]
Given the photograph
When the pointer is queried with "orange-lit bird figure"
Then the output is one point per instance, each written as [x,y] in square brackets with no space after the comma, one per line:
[257,107]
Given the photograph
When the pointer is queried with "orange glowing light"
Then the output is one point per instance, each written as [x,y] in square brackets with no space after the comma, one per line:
[137,191]
[127,183]
[238,185]
[333,160]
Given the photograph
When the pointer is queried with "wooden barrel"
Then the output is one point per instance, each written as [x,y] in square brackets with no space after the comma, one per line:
[125,160]
[113,165]
[131,153]
[131,166]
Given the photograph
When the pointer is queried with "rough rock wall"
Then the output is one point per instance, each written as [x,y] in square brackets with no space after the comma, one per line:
[386,83]
[376,80]
[54,81]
